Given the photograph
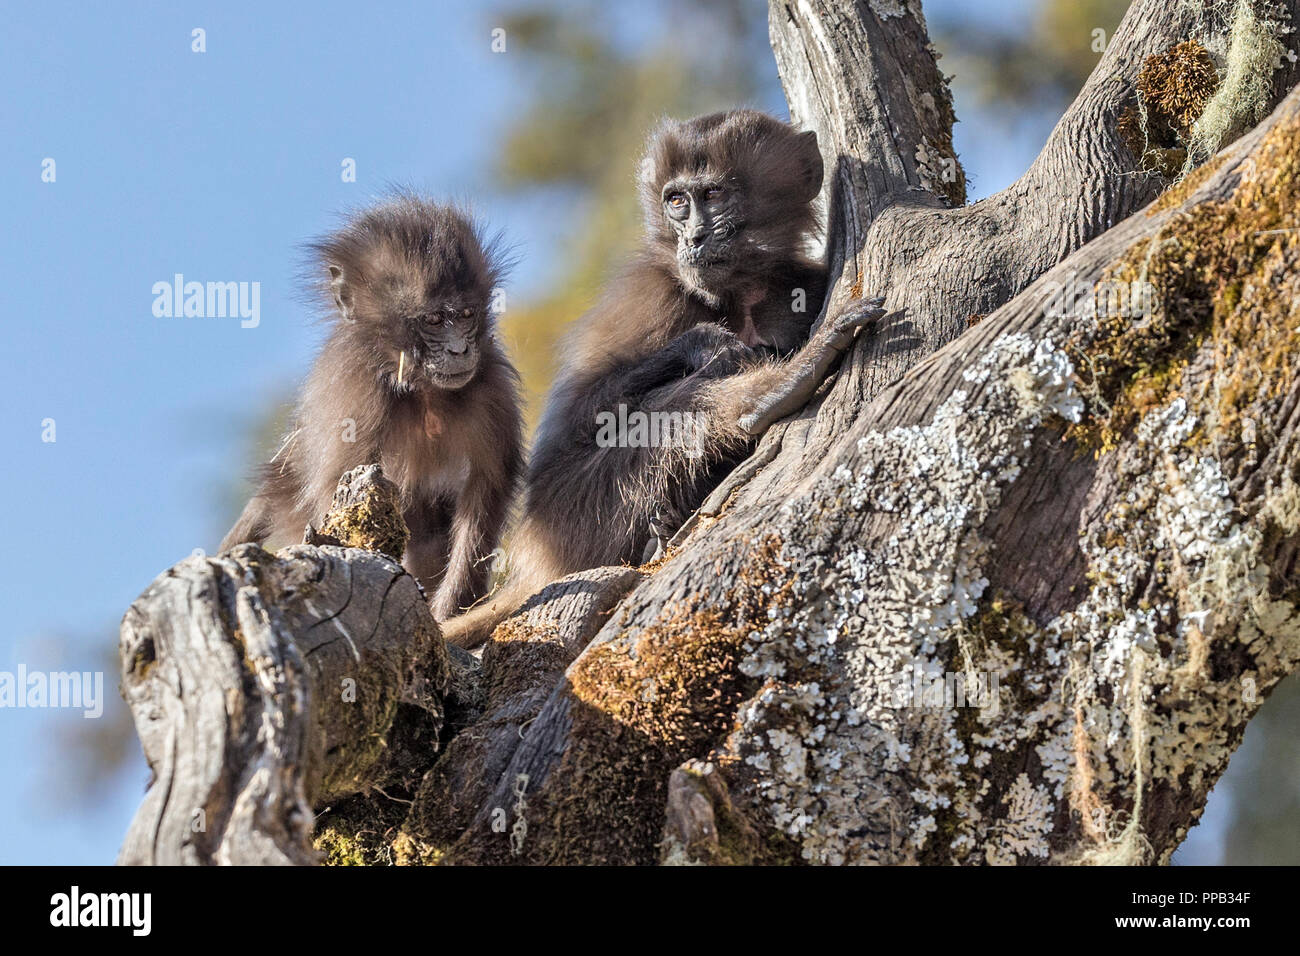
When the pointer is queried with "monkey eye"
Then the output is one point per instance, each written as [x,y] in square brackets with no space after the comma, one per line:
[467,312]
[433,318]
[714,192]
[677,200]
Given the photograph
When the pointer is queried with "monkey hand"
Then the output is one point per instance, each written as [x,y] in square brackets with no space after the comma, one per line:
[663,524]
[838,332]
[715,352]
[805,372]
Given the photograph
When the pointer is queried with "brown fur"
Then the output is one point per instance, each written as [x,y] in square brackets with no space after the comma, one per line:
[454,450]
[699,322]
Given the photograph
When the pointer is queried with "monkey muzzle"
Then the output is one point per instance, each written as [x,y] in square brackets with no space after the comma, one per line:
[705,248]
[451,370]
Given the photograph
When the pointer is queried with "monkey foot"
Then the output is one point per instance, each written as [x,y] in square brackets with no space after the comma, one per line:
[840,331]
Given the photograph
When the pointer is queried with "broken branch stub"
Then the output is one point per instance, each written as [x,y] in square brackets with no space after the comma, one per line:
[264,686]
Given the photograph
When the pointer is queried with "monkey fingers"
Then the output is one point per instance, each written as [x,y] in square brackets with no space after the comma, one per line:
[808,368]
[662,528]
[839,332]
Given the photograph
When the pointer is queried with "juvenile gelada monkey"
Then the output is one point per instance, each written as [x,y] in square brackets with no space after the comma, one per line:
[702,324]
[411,376]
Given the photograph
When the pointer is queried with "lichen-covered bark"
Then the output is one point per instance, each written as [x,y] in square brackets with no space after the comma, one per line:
[1041,507]
[862,75]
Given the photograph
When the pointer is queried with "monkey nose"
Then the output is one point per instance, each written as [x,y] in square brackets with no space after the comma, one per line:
[456,348]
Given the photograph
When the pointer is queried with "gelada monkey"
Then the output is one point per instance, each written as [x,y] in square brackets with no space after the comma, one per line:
[705,324]
[411,376]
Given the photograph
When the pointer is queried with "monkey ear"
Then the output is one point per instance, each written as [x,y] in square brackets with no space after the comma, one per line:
[810,158]
[342,292]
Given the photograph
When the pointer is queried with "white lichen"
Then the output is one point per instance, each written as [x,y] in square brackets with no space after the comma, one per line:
[1025,825]
[1113,696]
[821,750]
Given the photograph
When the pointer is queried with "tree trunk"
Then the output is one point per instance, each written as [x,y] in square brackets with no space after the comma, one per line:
[1004,594]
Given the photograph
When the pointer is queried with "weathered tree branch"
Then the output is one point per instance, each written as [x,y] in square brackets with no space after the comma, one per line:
[266,685]
[940,534]
[863,76]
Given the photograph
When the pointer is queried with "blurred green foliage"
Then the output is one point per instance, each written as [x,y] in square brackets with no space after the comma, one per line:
[1037,65]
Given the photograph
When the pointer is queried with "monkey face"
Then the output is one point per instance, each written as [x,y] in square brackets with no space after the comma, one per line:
[433,331]
[411,281]
[730,194]
[706,215]
[445,344]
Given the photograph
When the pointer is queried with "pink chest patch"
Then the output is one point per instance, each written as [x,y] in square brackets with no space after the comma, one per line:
[747,332]
[432,424]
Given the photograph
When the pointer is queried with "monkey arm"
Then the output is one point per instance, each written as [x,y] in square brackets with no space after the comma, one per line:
[798,379]
[707,348]
[271,514]
[480,515]
[633,489]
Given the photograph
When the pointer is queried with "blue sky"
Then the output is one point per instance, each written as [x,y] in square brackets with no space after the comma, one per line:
[216,165]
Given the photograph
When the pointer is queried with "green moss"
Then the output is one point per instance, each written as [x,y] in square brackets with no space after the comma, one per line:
[519,656]
[640,708]
[341,849]
[1173,89]
[409,851]
[368,830]
[373,524]
[1223,275]
[371,717]
[637,714]
[359,831]
[1181,191]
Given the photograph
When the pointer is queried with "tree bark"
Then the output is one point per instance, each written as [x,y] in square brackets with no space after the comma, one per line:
[1003,594]
[265,685]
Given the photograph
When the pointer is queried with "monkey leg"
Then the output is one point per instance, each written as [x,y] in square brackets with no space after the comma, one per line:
[805,372]
[480,514]
[253,525]
[426,550]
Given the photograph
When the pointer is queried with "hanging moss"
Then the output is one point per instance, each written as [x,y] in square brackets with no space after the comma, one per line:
[1254,51]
